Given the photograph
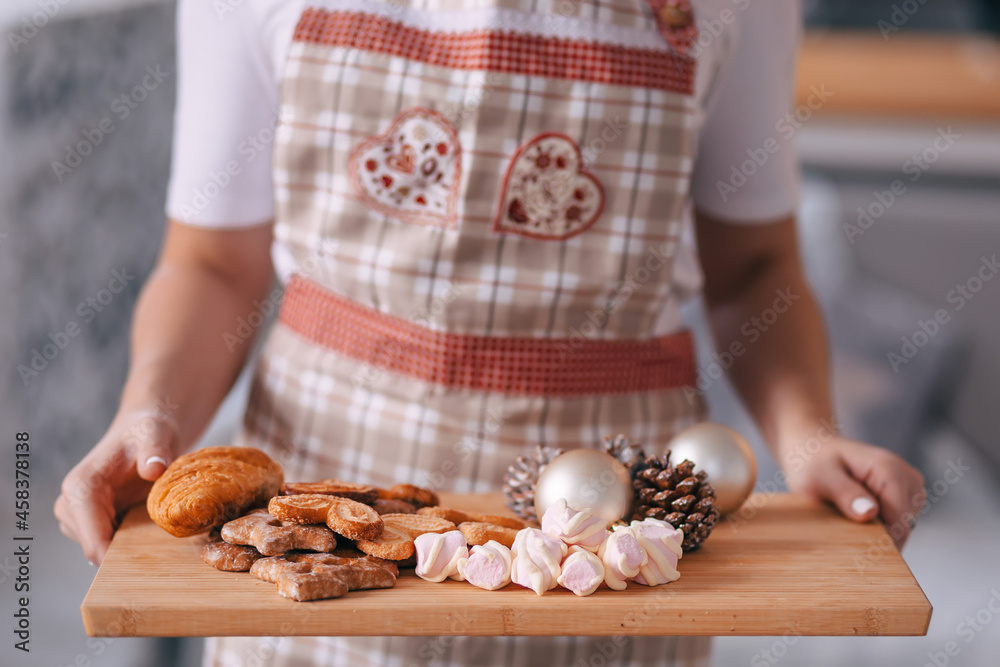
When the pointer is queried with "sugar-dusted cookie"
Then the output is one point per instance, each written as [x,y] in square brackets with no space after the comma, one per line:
[457,516]
[272,536]
[417,524]
[353,520]
[229,557]
[393,544]
[363,493]
[301,508]
[477,532]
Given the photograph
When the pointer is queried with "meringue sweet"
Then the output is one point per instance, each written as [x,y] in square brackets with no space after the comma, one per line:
[537,556]
[623,556]
[438,555]
[582,571]
[662,544]
[488,566]
[573,526]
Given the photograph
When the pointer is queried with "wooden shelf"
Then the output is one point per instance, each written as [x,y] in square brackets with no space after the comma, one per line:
[908,76]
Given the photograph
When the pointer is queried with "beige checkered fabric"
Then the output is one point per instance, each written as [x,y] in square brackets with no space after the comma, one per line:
[323,414]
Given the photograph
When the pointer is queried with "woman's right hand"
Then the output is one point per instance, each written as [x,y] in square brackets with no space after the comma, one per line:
[115,475]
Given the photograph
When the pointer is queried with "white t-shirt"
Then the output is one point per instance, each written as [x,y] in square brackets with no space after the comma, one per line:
[231,56]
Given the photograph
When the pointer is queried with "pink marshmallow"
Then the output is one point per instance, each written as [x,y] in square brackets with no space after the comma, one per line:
[662,544]
[536,560]
[582,571]
[438,555]
[623,556]
[488,566]
[574,527]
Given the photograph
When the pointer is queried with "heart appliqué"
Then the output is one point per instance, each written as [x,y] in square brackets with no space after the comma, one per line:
[410,172]
[547,193]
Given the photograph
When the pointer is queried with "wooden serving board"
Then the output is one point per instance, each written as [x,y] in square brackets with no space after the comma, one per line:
[791,567]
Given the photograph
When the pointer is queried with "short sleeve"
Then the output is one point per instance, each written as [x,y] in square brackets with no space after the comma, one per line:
[227,104]
[747,165]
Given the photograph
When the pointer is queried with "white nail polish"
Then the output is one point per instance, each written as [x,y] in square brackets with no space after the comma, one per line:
[862,505]
[156,459]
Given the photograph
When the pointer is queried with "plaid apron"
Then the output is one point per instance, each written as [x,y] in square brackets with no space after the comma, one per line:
[479,202]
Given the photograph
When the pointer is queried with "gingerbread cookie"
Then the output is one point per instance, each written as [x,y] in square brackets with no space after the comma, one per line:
[393,544]
[417,524]
[272,536]
[477,532]
[362,493]
[390,506]
[460,516]
[319,576]
[414,495]
[301,508]
[229,557]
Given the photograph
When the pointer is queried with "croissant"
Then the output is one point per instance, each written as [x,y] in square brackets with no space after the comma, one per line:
[211,486]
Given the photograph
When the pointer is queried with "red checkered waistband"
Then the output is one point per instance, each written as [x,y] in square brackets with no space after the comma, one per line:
[508,365]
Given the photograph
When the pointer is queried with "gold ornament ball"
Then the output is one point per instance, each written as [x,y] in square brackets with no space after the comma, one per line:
[722,453]
[587,479]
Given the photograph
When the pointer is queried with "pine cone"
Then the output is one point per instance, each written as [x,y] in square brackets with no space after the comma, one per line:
[625,450]
[519,482]
[677,495]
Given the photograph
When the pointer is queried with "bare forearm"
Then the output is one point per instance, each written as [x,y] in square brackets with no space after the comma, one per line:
[185,343]
[179,354]
[783,373]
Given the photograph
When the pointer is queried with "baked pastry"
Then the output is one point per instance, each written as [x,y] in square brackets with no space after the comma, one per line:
[363,493]
[481,533]
[229,557]
[273,537]
[461,516]
[211,486]
[415,495]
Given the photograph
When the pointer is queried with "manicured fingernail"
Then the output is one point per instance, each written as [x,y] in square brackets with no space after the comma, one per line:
[92,563]
[862,505]
[156,459]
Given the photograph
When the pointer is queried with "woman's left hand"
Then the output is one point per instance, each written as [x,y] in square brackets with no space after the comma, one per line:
[864,482]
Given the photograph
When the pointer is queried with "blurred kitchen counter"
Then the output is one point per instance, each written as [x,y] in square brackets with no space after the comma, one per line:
[904,75]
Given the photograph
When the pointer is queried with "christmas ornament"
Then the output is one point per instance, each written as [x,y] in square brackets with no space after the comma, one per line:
[519,482]
[588,479]
[722,453]
[624,450]
[677,495]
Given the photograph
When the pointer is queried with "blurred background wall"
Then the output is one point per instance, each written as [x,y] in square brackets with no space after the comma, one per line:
[918,85]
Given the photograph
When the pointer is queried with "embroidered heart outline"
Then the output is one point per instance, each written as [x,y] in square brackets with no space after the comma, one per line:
[411,171]
[567,201]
